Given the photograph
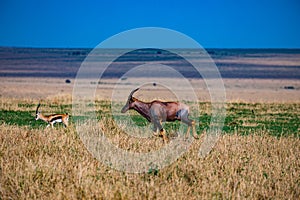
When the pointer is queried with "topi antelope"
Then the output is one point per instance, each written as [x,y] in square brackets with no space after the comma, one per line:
[157,112]
[52,119]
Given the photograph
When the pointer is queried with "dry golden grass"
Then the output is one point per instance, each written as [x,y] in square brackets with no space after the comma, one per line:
[54,164]
[40,163]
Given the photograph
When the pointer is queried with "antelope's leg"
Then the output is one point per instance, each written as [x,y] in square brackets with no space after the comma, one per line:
[188,132]
[155,130]
[186,120]
[191,123]
[157,126]
[66,123]
[157,133]
[163,133]
[194,130]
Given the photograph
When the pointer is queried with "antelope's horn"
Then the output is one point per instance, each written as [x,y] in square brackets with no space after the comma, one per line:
[131,93]
[37,109]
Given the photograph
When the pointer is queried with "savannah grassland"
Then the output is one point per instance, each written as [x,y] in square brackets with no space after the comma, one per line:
[256,157]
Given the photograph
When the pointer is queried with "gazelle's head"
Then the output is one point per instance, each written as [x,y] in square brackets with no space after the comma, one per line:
[37,112]
[130,101]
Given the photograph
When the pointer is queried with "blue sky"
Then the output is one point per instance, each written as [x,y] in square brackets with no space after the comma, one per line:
[85,23]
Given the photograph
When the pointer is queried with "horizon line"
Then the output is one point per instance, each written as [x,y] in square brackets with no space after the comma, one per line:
[44,47]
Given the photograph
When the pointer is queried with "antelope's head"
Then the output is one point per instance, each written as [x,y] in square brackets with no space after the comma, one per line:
[130,101]
[37,112]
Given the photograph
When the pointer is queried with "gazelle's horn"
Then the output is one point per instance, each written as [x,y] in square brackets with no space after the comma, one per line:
[37,109]
[131,93]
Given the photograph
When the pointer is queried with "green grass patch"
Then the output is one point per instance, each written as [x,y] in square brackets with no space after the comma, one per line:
[20,118]
[241,118]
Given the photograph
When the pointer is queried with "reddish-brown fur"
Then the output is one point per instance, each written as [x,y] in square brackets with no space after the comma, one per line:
[157,112]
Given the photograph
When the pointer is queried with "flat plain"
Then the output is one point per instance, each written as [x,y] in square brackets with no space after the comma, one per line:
[256,156]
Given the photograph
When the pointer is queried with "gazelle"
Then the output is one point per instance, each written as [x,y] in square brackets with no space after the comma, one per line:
[52,119]
[157,112]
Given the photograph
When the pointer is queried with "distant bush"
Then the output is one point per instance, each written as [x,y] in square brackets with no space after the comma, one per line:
[289,87]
